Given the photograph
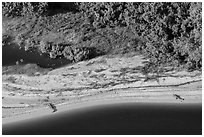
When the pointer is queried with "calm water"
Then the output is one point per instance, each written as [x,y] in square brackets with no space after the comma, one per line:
[120,119]
[11,54]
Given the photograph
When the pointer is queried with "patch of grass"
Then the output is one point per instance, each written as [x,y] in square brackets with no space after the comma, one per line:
[101,61]
[69,74]
[90,63]
[151,78]
[94,76]
[99,70]
[114,70]
[28,69]
[102,75]
[11,79]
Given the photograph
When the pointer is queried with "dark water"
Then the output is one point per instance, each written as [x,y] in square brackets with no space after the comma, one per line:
[120,119]
[12,53]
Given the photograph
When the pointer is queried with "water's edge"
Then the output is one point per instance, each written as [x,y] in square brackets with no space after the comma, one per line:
[121,118]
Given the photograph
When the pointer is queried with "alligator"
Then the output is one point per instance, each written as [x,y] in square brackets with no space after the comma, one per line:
[178,96]
[52,106]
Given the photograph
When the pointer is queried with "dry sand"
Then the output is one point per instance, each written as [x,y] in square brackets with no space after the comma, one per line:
[97,81]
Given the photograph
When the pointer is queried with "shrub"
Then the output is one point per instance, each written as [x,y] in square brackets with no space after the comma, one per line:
[166,32]
[77,54]
[6,39]
[22,8]
[103,14]
[171,31]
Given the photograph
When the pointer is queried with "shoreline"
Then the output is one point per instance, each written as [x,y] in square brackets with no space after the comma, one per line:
[77,105]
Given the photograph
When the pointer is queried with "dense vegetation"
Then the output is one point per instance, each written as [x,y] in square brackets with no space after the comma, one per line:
[170,34]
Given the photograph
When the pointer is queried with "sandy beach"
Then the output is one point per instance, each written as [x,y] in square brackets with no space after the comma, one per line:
[94,82]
